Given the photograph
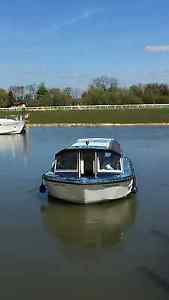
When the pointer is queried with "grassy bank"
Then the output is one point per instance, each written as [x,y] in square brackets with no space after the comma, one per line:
[91,117]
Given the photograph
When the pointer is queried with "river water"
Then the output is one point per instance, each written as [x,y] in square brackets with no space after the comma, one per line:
[118,250]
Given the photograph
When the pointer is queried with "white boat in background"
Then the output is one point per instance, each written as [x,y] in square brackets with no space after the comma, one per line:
[89,171]
[11,126]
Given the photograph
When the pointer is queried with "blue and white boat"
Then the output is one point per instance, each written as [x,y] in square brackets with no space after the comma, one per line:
[89,171]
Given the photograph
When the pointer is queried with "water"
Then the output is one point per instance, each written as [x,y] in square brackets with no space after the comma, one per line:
[62,251]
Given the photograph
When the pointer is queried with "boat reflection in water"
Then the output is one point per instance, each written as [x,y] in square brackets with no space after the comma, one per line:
[96,226]
[15,144]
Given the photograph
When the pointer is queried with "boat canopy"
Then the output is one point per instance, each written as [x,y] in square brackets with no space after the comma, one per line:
[90,157]
[96,144]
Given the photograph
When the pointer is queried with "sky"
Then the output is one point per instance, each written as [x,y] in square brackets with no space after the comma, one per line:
[68,43]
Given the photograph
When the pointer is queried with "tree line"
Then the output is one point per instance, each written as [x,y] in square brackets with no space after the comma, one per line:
[103,90]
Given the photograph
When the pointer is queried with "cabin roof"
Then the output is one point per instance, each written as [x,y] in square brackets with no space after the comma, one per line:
[97,143]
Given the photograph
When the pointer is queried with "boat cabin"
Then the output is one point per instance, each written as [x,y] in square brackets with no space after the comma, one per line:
[89,158]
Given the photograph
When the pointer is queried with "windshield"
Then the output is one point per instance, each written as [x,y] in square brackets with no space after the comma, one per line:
[67,161]
[104,161]
[108,161]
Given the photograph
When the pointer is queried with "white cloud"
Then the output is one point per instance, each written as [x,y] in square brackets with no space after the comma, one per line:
[84,16]
[157,49]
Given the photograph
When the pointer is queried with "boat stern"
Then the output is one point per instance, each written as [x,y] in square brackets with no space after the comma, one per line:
[86,194]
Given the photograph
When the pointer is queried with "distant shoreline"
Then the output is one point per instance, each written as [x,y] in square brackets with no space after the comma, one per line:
[69,125]
[97,118]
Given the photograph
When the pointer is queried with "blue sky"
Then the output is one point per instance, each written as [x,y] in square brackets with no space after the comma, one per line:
[67,43]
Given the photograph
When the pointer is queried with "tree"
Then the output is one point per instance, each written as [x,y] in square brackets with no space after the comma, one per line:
[3,98]
[164,89]
[94,96]
[129,97]
[105,83]
[59,97]
[137,90]
[11,100]
[42,91]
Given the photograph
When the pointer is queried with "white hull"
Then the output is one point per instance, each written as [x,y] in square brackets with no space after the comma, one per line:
[86,194]
[11,127]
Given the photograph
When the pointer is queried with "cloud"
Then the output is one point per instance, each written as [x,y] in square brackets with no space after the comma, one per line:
[84,16]
[157,49]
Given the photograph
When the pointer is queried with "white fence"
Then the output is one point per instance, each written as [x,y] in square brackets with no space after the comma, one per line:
[87,107]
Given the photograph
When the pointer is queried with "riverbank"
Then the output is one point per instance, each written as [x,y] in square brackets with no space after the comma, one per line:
[158,116]
[70,125]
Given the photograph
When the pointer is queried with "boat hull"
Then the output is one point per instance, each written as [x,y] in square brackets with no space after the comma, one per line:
[93,193]
[17,127]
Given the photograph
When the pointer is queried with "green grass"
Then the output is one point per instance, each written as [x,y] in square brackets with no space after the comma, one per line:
[106,116]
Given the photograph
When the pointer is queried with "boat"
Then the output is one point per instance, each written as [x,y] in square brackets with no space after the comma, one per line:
[89,171]
[12,126]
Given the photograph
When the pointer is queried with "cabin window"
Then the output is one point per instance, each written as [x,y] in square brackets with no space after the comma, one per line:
[67,161]
[109,162]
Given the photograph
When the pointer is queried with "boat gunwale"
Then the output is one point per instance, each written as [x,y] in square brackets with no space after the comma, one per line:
[54,179]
